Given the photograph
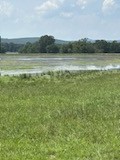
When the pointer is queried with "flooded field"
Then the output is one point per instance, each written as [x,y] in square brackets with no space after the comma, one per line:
[38,63]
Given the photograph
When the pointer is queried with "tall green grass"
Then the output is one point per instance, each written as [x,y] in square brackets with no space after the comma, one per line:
[60,116]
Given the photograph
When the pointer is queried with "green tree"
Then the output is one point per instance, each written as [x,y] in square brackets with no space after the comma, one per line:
[2,48]
[115,47]
[66,48]
[102,46]
[44,42]
[0,45]
[53,48]
[27,48]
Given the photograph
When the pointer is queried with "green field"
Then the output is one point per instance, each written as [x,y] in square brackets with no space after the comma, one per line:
[60,116]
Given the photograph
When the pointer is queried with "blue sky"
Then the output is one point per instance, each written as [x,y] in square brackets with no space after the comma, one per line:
[64,19]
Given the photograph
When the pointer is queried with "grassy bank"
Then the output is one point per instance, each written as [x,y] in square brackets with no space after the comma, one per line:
[60,116]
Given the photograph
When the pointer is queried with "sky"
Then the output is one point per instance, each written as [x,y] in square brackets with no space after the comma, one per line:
[63,19]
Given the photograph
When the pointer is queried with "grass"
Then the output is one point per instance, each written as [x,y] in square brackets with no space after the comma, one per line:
[60,116]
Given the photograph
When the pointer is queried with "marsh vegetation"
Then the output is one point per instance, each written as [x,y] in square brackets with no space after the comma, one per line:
[39,63]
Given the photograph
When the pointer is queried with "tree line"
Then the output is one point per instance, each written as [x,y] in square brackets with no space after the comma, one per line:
[46,44]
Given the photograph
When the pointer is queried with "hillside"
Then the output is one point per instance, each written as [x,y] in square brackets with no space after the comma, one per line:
[30,39]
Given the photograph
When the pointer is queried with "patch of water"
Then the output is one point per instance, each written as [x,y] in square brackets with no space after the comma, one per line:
[88,67]
[58,68]
[45,59]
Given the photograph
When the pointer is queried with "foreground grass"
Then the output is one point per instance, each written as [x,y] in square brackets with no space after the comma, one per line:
[60,116]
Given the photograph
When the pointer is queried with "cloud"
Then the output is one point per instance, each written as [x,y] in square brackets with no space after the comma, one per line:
[48,6]
[66,14]
[6,8]
[108,5]
[82,3]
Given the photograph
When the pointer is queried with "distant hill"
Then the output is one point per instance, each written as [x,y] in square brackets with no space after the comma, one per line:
[30,39]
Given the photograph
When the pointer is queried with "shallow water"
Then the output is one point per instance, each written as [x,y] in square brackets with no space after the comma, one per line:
[33,64]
